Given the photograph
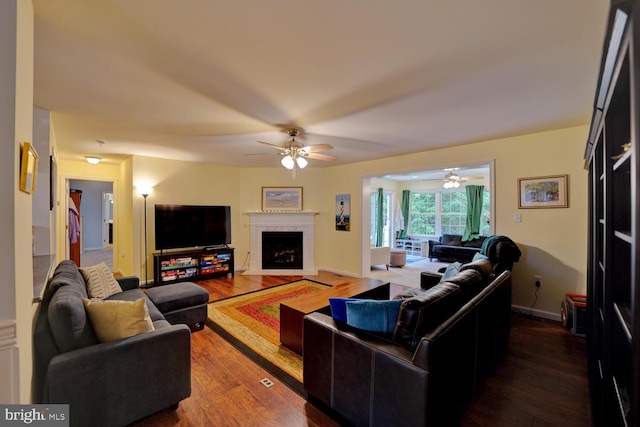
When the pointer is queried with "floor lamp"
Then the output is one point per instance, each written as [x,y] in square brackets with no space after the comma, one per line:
[144,192]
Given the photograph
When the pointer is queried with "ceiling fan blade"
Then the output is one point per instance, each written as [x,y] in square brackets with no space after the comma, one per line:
[316,148]
[277,147]
[318,156]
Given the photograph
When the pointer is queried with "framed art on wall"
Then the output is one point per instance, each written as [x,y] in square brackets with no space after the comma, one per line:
[543,192]
[28,168]
[281,199]
[343,212]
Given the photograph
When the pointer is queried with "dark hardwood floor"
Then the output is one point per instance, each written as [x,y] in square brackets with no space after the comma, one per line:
[540,381]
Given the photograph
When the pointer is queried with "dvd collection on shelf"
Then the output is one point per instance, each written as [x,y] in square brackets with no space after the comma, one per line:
[192,265]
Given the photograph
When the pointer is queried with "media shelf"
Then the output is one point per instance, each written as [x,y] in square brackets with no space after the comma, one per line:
[413,247]
[192,264]
[613,274]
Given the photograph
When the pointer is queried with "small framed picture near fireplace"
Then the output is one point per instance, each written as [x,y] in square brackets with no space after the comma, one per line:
[343,212]
[282,199]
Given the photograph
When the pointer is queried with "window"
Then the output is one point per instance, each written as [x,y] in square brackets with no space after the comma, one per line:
[422,215]
[432,213]
[453,212]
[386,218]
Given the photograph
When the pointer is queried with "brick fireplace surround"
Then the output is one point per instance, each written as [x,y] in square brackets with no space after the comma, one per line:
[282,221]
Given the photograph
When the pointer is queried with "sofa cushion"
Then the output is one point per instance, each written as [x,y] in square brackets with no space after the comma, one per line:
[67,317]
[450,270]
[451,240]
[136,294]
[114,320]
[410,293]
[470,282]
[339,308]
[425,311]
[478,256]
[177,296]
[482,266]
[378,316]
[474,243]
[65,273]
[100,281]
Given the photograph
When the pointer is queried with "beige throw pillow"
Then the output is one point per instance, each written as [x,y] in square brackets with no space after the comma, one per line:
[113,320]
[100,281]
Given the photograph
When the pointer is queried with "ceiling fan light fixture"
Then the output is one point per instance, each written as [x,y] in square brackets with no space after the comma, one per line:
[451,180]
[287,162]
[302,162]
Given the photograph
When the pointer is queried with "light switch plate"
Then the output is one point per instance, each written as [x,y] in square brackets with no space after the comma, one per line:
[517,217]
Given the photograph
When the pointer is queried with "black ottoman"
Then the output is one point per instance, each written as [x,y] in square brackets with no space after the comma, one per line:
[183,302]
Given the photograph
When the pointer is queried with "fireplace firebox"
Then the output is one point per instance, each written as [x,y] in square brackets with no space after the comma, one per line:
[282,250]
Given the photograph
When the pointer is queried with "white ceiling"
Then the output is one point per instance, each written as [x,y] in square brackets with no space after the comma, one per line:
[203,80]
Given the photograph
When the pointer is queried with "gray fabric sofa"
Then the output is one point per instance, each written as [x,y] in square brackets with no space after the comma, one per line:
[111,383]
[447,339]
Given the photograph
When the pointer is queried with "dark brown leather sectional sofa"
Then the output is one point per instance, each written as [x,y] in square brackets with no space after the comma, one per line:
[446,341]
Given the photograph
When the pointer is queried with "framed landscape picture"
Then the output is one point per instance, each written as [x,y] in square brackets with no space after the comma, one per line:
[543,192]
[281,199]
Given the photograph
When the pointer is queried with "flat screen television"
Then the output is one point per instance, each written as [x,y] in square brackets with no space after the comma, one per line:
[183,226]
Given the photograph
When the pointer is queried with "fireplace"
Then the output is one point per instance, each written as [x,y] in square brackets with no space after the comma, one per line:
[289,229]
[282,250]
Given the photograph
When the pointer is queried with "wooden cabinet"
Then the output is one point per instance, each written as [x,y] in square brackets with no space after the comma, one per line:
[613,292]
[190,265]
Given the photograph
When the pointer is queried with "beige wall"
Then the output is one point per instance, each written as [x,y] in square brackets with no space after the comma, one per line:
[553,241]
[24,129]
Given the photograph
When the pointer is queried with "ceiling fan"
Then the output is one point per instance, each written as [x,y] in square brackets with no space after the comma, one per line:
[453,180]
[295,154]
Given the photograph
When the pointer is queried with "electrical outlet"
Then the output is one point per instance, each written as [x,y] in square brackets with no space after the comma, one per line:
[266,382]
[538,281]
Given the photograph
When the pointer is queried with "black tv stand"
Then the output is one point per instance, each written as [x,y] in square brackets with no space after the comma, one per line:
[192,264]
[215,248]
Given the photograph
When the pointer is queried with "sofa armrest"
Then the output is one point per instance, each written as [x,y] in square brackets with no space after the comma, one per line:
[429,279]
[128,282]
[121,381]
[432,243]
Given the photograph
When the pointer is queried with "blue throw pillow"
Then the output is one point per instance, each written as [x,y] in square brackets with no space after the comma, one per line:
[378,316]
[478,256]
[452,269]
[339,308]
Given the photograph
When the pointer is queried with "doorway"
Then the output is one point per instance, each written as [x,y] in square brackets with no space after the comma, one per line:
[427,180]
[92,242]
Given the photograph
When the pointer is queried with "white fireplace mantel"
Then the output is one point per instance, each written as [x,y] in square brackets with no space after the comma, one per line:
[282,221]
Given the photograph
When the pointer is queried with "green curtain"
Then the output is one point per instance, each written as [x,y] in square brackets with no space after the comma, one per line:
[406,200]
[474,212]
[379,216]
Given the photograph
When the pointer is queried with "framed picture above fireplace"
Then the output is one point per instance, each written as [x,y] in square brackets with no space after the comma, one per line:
[281,199]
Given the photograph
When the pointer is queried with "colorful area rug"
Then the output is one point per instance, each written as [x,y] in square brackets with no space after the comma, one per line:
[254,320]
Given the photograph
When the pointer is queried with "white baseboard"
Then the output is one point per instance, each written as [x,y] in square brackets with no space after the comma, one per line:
[339,272]
[536,313]
[9,388]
